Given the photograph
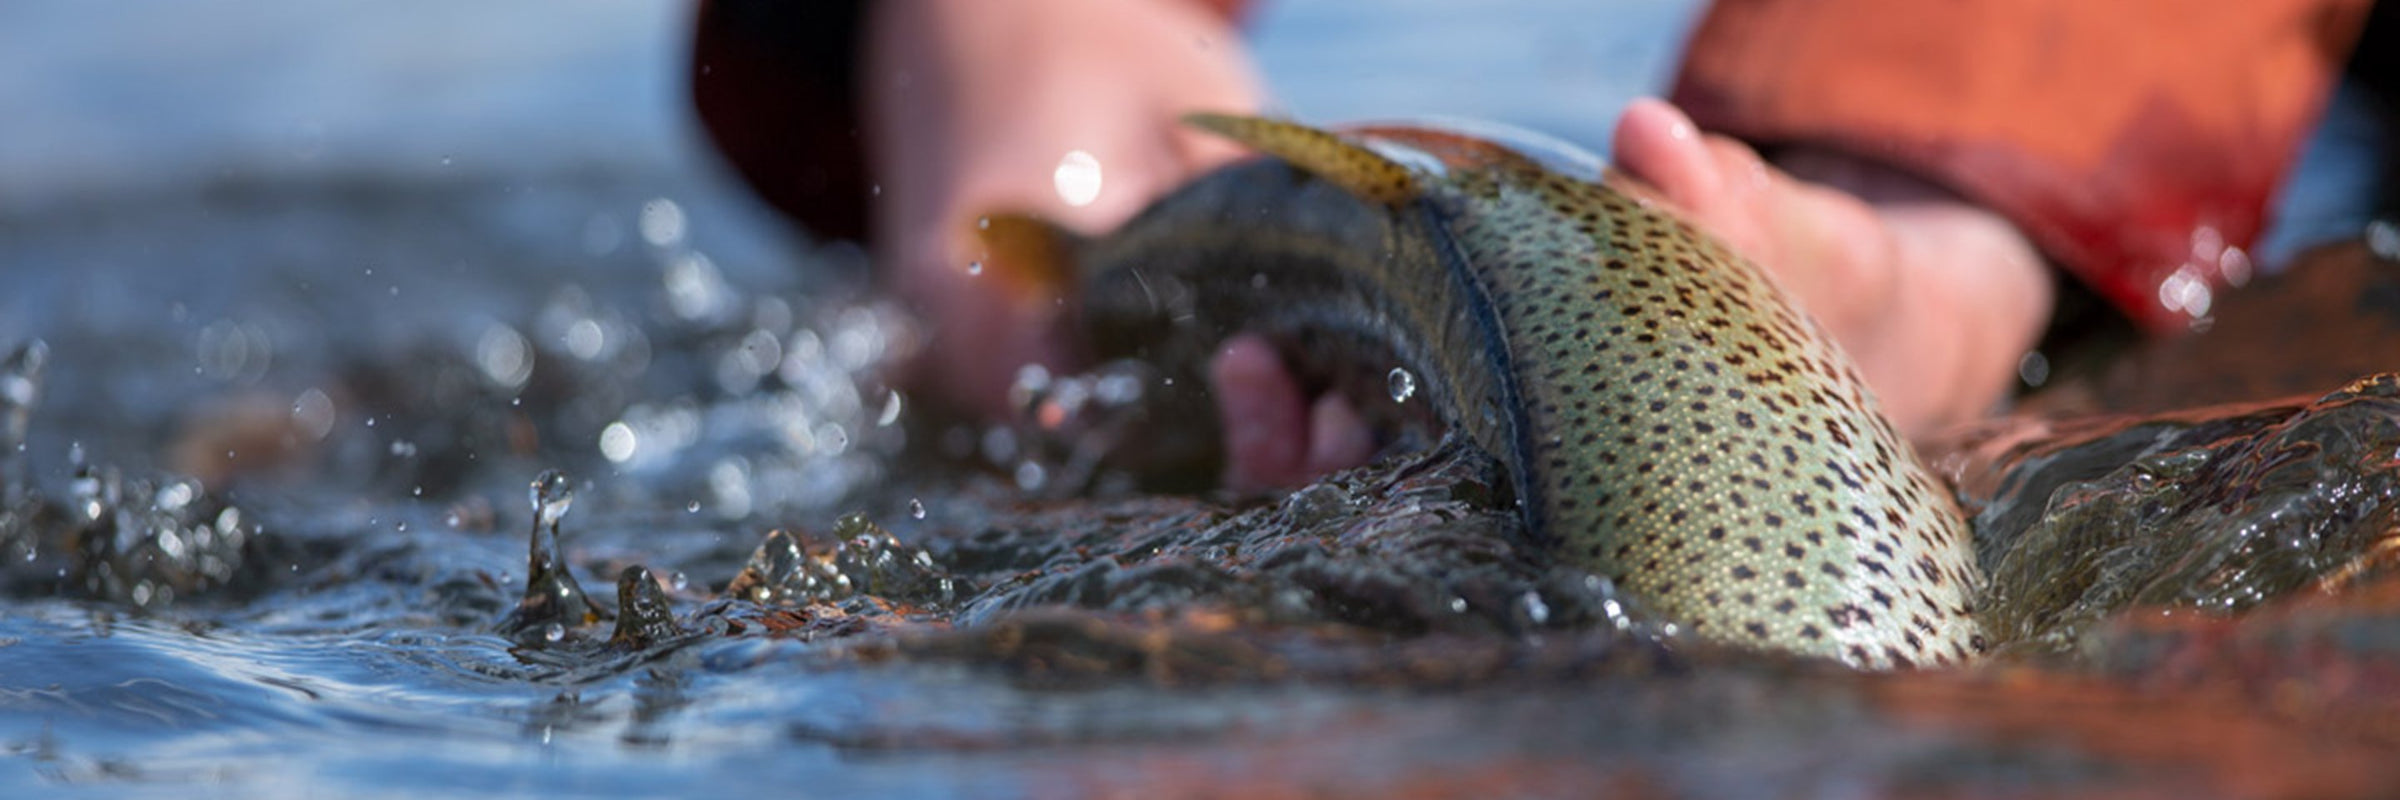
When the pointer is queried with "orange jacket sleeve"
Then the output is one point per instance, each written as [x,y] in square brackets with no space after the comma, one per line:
[2138,142]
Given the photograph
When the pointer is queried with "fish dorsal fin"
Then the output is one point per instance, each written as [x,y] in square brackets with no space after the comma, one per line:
[1360,171]
[1465,144]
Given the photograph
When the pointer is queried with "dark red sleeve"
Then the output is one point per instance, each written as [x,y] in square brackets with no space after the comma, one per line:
[771,81]
[2138,142]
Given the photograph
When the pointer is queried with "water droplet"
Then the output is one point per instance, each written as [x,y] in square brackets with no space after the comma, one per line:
[403,448]
[20,389]
[916,508]
[1077,178]
[586,339]
[1030,386]
[2186,291]
[1536,611]
[175,495]
[983,223]
[661,223]
[554,632]
[891,409]
[2033,368]
[974,267]
[313,412]
[692,507]
[2383,238]
[1402,383]
[551,494]
[679,581]
[617,442]
[1031,476]
[696,290]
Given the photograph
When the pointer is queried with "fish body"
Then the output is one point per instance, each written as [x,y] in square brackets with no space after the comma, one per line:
[1671,420]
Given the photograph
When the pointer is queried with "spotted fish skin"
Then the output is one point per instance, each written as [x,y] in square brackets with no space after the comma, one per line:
[1672,421]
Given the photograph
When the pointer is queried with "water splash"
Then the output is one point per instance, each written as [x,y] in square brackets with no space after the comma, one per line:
[1069,428]
[774,565]
[146,541]
[1402,384]
[552,494]
[862,562]
[20,390]
[553,598]
[645,617]
[2217,514]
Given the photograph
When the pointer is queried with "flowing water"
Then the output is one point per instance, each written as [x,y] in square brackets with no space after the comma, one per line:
[360,455]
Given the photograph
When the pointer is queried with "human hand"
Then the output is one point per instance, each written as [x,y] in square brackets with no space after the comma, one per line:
[1935,298]
[973,106]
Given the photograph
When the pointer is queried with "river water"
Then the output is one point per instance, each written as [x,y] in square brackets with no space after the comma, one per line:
[389,264]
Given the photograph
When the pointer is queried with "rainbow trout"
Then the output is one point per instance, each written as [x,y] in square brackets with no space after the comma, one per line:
[1670,420]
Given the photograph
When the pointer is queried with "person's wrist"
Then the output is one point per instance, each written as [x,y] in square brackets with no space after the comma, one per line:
[1971,296]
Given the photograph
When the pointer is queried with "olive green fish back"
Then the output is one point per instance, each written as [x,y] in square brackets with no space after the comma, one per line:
[1701,442]
[1676,424]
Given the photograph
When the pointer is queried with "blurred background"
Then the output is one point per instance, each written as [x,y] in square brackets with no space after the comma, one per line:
[127,96]
[215,197]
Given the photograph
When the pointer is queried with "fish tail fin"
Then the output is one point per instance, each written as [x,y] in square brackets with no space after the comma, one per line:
[1358,170]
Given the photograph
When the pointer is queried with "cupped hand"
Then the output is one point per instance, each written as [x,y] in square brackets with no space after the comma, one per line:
[974,107]
[1934,297]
